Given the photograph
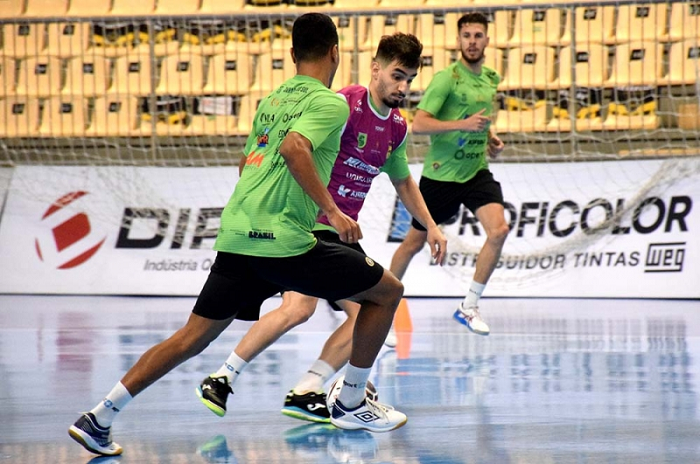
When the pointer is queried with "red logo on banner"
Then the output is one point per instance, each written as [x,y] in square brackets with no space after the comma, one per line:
[68,233]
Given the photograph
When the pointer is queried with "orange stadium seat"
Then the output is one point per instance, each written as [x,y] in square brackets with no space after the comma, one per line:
[64,117]
[229,74]
[132,75]
[19,117]
[24,39]
[114,116]
[39,77]
[88,75]
[181,74]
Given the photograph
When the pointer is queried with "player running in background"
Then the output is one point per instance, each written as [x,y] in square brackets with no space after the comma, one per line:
[374,141]
[265,240]
[455,111]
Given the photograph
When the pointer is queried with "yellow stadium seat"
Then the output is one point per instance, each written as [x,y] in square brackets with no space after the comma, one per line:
[219,7]
[39,77]
[181,74]
[46,8]
[640,22]
[619,118]
[364,68]
[438,29]
[114,116]
[529,68]
[685,59]
[132,76]
[64,117]
[685,21]
[434,60]
[493,58]
[214,116]
[88,75]
[114,38]
[343,4]
[168,117]
[593,24]
[229,75]
[272,69]
[19,117]
[11,8]
[343,76]
[132,7]
[68,39]
[175,7]
[386,24]
[401,3]
[20,40]
[525,118]
[247,107]
[591,62]
[89,7]
[637,63]
[352,31]
[500,24]
[8,76]
[539,27]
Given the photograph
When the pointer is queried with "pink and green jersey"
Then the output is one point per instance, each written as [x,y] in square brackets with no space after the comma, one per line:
[371,143]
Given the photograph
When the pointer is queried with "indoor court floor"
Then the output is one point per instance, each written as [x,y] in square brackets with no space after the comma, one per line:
[557,381]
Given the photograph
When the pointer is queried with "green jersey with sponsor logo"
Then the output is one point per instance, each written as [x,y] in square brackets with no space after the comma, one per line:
[269,214]
[457,93]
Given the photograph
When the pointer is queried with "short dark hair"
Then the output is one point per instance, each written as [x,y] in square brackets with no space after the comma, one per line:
[404,48]
[473,18]
[313,35]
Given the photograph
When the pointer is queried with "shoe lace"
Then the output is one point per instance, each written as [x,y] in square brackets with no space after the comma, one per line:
[379,409]
[470,312]
[222,383]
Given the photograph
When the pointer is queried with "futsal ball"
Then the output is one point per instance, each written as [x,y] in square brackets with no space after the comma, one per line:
[370,391]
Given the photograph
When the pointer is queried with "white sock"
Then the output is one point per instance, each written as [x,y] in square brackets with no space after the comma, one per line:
[232,368]
[475,291]
[115,401]
[314,379]
[353,391]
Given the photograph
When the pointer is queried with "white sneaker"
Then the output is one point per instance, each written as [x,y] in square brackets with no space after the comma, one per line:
[369,415]
[472,319]
[391,340]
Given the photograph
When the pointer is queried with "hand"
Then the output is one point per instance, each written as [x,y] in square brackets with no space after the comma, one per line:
[495,146]
[348,230]
[438,244]
[476,122]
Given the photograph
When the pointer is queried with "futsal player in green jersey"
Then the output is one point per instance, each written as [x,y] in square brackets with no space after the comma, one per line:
[265,244]
[456,112]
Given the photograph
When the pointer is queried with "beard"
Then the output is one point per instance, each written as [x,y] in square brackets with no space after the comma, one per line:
[473,60]
[393,104]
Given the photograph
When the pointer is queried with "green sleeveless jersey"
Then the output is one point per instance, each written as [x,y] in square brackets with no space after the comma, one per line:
[269,214]
[457,93]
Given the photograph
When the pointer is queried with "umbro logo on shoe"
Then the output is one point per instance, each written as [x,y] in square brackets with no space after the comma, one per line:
[366,416]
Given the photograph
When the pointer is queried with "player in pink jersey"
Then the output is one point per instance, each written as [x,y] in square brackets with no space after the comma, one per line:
[373,141]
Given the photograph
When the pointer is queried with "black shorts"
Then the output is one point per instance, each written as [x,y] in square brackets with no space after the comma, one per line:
[238,284]
[444,198]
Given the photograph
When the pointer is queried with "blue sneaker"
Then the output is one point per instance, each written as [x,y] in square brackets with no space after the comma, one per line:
[471,318]
[93,437]
[309,406]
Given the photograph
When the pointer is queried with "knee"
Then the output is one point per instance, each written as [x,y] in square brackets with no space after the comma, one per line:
[412,246]
[499,234]
[395,291]
[298,313]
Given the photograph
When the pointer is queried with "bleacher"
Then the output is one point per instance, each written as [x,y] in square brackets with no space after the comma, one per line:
[187,74]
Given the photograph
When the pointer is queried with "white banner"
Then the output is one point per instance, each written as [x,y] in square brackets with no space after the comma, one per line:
[610,229]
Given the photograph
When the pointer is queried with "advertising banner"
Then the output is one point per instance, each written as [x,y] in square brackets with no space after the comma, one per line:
[619,229]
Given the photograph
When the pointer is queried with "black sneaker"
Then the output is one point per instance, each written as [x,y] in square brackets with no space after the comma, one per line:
[92,437]
[309,406]
[213,392]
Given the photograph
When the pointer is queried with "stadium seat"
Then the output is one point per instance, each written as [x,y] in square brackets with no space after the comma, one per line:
[245,113]
[176,7]
[433,59]
[522,118]
[637,64]
[401,3]
[689,116]
[181,74]
[11,8]
[685,59]
[632,108]
[46,8]
[591,62]
[494,59]
[685,21]
[88,76]
[270,71]
[114,38]
[132,76]
[344,4]
[386,24]
[64,117]
[8,76]
[229,75]
[438,29]
[87,8]
[640,22]
[20,40]
[364,68]
[114,116]
[352,30]
[214,116]
[68,39]
[343,76]
[212,37]
[593,24]
[626,120]
[132,7]
[218,7]
[500,25]
[539,27]
[39,77]
[19,117]
[585,107]
[167,118]
[529,68]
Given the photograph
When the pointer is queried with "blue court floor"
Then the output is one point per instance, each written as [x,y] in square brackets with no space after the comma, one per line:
[557,381]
